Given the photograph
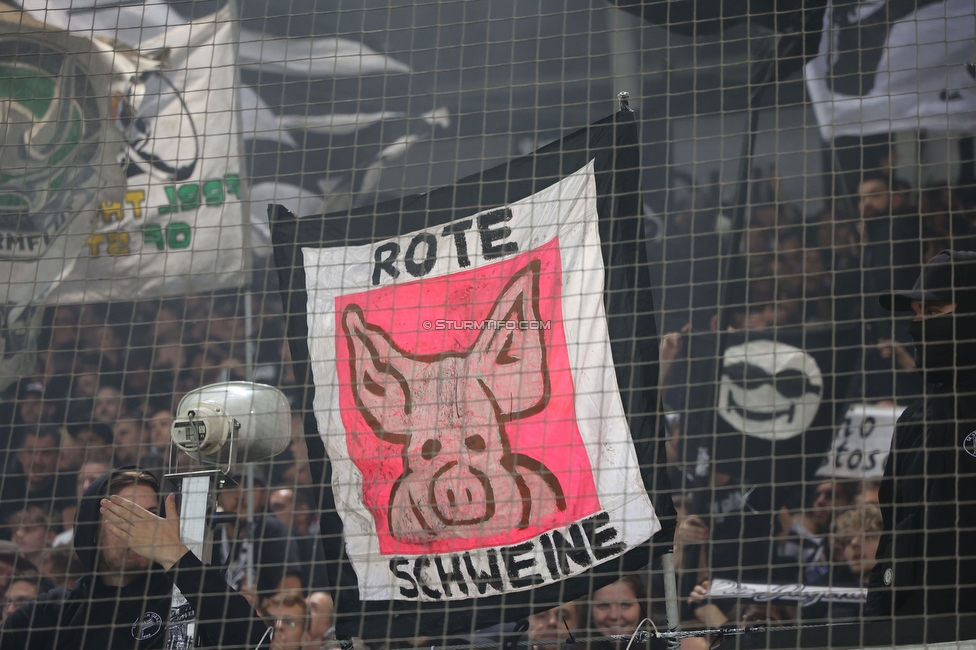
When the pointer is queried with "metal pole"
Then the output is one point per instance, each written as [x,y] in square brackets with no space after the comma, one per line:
[625,61]
[197,504]
[249,346]
[249,362]
[671,598]
[251,533]
[759,80]
[700,502]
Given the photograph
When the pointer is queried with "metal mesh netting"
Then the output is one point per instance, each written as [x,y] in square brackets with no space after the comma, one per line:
[514,314]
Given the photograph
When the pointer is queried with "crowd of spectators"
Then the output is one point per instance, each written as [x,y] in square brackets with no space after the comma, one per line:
[827,546]
[88,409]
[108,380]
[107,384]
[822,269]
[796,271]
[105,388]
[814,268]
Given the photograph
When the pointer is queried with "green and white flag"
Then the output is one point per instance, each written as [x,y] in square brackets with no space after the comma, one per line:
[180,226]
[57,167]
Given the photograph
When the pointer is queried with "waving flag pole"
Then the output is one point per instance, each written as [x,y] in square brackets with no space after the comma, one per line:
[672,608]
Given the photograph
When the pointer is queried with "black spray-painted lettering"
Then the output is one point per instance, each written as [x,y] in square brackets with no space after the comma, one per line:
[419,565]
[384,256]
[484,580]
[574,550]
[553,555]
[454,575]
[408,590]
[490,233]
[550,555]
[423,268]
[519,571]
[460,243]
[599,533]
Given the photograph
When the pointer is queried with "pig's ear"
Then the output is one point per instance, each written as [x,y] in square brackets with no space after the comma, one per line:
[378,385]
[511,355]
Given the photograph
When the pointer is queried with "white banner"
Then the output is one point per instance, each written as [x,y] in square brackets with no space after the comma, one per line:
[57,166]
[800,595]
[862,442]
[181,225]
[476,432]
[305,185]
[895,66]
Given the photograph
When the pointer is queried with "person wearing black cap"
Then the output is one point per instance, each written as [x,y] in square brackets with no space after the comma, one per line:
[927,553]
[134,557]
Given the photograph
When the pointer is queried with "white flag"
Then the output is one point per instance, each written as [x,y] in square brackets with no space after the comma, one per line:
[181,225]
[276,123]
[57,165]
[894,66]
[862,443]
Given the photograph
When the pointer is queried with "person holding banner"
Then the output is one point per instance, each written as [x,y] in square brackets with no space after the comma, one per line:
[926,563]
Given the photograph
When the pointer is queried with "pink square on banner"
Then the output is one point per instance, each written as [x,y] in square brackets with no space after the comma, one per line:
[457,399]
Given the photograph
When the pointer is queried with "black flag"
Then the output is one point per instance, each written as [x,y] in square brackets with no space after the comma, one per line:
[765,426]
[481,369]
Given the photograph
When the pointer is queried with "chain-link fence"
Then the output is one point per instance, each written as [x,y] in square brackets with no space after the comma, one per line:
[547,289]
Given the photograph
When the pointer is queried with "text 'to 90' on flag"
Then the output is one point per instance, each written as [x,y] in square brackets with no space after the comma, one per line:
[181,224]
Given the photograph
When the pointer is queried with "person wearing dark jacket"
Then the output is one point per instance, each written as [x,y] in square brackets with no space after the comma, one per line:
[264,543]
[927,552]
[134,557]
[34,479]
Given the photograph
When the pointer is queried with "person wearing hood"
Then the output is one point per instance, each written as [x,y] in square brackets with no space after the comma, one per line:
[926,559]
[129,543]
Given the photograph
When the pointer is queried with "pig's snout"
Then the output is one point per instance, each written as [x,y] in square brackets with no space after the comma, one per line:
[461,495]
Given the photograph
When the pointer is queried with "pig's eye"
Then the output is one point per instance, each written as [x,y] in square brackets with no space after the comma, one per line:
[430,449]
[505,356]
[475,443]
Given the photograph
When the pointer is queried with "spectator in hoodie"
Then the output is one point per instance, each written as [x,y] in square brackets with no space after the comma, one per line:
[129,541]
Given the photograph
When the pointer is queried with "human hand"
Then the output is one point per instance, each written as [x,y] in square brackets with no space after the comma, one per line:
[147,534]
[785,520]
[706,613]
[885,348]
[672,343]
[904,360]
[700,592]
[691,530]
[250,593]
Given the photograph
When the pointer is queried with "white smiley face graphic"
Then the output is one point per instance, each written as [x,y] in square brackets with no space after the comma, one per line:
[769,390]
[969,444]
